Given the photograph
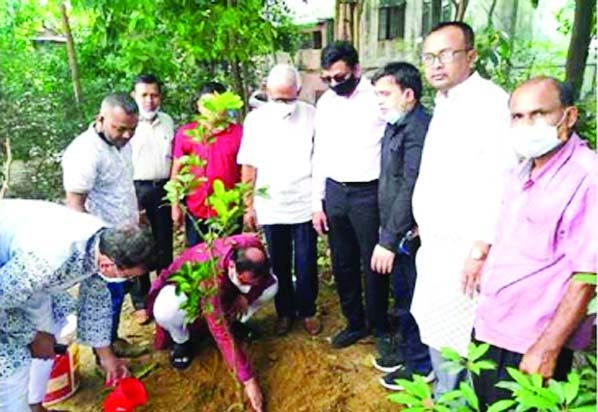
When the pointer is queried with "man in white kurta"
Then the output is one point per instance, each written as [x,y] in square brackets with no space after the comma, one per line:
[457,194]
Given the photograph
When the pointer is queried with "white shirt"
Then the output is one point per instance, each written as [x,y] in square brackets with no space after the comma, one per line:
[105,173]
[464,165]
[280,147]
[152,148]
[347,139]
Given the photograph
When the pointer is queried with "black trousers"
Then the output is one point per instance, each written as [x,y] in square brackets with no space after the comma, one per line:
[287,244]
[353,220]
[484,383]
[150,196]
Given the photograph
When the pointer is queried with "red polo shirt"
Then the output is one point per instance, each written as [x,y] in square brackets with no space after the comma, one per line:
[221,156]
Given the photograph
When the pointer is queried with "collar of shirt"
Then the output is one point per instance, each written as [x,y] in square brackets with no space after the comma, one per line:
[551,167]
[463,90]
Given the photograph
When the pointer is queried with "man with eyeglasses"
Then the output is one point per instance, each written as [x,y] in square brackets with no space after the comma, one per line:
[532,309]
[346,167]
[275,152]
[457,194]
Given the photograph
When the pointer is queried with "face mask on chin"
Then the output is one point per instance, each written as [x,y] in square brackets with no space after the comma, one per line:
[392,116]
[234,278]
[533,141]
[112,280]
[347,87]
[148,115]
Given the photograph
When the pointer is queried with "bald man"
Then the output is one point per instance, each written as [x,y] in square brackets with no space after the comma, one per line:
[244,284]
[276,152]
[98,179]
[531,309]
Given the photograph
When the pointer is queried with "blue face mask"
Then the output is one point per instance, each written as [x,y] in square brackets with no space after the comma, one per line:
[392,116]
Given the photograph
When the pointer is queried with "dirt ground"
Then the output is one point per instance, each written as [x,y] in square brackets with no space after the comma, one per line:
[297,373]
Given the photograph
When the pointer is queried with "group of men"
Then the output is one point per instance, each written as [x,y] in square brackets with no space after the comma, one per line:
[495,193]
[474,218]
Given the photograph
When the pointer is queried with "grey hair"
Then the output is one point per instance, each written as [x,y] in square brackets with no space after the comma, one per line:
[122,100]
[129,246]
[284,74]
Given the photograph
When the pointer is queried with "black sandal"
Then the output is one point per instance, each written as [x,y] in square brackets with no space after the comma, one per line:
[181,355]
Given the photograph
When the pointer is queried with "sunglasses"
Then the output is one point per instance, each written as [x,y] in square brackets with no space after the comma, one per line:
[338,78]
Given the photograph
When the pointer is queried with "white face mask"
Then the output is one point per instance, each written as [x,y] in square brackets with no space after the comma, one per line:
[533,141]
[392,116]
[234,278]
[283,110]
[145,115]
[112,280]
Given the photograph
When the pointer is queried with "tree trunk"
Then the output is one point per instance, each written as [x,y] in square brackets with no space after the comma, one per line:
[581,36]
[70,51]
[461,8]
[7,165]
[491,13]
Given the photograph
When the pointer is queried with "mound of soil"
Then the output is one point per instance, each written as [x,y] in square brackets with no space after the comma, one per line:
[297,373]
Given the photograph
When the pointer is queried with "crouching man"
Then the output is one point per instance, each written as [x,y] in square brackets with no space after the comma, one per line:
[244,284]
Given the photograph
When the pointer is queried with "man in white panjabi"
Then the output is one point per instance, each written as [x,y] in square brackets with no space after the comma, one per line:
[457,194]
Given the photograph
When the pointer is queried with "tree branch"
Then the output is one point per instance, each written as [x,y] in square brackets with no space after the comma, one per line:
[7,164]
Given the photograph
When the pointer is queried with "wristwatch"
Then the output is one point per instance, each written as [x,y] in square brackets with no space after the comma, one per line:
[477,254]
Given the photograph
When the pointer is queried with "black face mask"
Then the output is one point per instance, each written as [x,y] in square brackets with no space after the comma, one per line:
[347,87]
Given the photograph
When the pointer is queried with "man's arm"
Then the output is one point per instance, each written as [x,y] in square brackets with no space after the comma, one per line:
[248,175]
[541,357]
[76,201]
[401,217]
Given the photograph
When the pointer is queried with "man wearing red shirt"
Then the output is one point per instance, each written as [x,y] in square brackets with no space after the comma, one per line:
[244,284]
[221,163]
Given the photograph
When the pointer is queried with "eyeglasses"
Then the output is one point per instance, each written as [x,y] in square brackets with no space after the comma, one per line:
[283,99]
[338,78]
[445,56]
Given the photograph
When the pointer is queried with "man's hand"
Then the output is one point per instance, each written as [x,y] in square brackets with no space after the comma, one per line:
[320,222]
[42,346]
[539,359]
[114,367]
[142,219]
[177,215]
[254,393]
[382,260]
[239,307]
[249,219]
[472,268]
[470,278]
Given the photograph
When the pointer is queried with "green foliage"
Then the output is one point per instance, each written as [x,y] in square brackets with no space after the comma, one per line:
[198,281]
[529,392]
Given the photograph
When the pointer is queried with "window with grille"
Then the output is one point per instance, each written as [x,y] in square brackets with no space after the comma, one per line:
[391,19]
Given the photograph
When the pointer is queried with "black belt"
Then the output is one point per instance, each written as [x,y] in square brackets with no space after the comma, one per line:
[355,184]
[154,183]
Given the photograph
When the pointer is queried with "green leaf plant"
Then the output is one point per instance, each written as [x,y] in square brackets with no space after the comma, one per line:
[198,280]
[528,392]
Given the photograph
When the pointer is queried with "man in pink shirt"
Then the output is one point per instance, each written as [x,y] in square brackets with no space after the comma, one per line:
[531,310]
[244,284]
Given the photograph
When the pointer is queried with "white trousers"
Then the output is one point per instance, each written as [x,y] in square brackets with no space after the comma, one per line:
[169,315]
[40,369]
[13,391]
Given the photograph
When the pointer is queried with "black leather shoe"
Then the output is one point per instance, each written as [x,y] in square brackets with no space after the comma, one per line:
[181,355]
[348,337]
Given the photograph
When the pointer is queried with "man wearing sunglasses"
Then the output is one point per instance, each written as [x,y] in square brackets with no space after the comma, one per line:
[346,167]
[456,198]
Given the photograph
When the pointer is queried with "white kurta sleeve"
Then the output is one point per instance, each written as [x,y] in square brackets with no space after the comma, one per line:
[249,149]
[95,313]
[318,175]
[496,159]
